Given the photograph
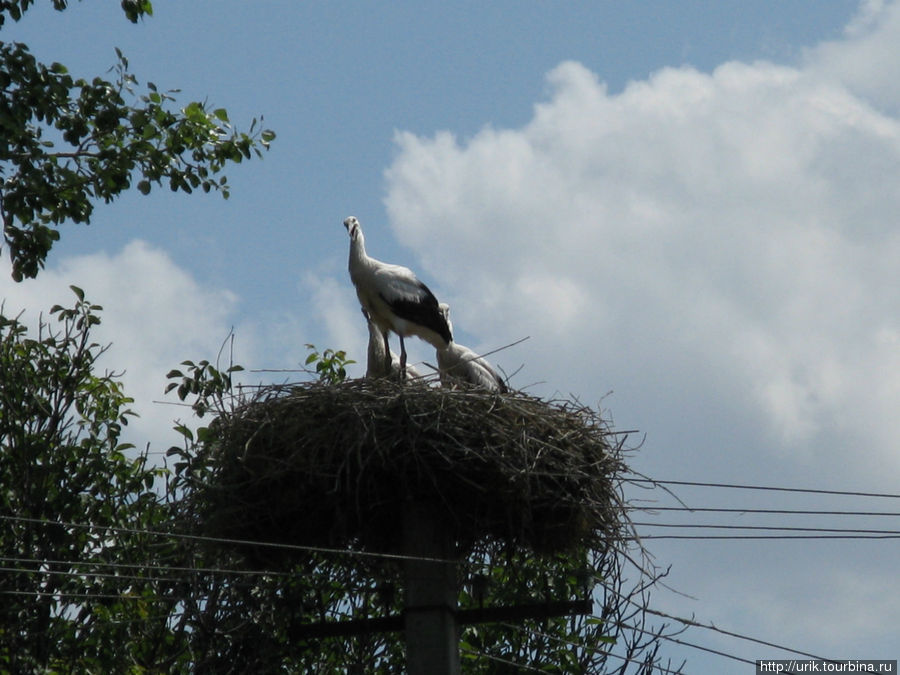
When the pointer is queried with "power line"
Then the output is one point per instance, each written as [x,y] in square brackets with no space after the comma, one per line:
[769,527]
[233,542]
[710,650]
[686,622]
[85,575]
[241,582]
[858,534]
[722,631]
[536,633]
[692,623]
[655,634]
[735,486]
[713,537]
[90,596]
[811,512]
[400,557]
[505,662]
[95,575]
[96,596]
[144,566]
[655,666]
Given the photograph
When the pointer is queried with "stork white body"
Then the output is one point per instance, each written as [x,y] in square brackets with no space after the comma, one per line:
[457,363]
[394,299]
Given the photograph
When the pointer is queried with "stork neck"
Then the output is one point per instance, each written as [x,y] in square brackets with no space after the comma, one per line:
[358,248]
[376,342]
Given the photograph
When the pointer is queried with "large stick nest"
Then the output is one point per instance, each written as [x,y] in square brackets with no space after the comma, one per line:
[338,465]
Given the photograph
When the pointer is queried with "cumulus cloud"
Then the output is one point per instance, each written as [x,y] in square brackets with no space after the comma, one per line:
[738,225]
[334,304]
[865,58]
[154,315]
[719,249]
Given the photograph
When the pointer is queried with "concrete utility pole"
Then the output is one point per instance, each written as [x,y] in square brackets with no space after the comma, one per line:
[432,634]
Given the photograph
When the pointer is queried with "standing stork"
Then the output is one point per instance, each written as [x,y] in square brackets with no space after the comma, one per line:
[460,364]
[394,299]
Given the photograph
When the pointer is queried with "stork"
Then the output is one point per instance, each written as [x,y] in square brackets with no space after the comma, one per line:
[457,363]
[394,299]
[375,360]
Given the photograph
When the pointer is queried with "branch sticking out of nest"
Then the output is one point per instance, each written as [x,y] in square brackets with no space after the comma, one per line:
[337,465]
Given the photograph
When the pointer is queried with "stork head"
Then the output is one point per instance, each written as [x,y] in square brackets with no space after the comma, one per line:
[444,309]
[352,225]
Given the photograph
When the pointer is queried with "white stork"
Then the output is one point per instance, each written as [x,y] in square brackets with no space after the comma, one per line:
[460,364]
[394,299]
[375,360]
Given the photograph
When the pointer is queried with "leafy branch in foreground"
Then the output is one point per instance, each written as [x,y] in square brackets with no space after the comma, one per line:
[134,9]
[331,365]
[67,142]
[204,381]
[77,506]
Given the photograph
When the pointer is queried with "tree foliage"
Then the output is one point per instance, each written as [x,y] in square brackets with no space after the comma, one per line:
[104,571]
[14,9]
[66,143]
[75,505]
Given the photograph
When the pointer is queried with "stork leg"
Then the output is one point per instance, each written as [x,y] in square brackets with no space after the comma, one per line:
[387,354]
[402,360]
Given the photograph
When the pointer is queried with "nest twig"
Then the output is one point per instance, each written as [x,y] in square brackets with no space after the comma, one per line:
[337,465]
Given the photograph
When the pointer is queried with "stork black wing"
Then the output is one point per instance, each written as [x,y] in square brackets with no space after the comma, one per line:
[422,310]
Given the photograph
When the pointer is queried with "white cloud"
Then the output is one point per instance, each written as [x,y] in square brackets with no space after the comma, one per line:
[865,58]
[154,314]
[720,250]
[739,225]
[334,304]
[853,600]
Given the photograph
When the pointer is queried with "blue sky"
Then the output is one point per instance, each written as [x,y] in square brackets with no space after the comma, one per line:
[689,208]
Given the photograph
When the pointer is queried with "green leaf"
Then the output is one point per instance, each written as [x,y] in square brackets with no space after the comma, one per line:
[184,431]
